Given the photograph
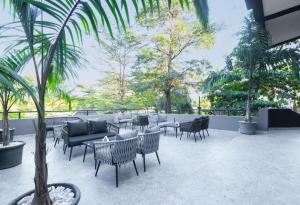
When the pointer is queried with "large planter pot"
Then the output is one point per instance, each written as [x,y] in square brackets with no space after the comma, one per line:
[11,134]
[75,190]
[247,128]
[11,155]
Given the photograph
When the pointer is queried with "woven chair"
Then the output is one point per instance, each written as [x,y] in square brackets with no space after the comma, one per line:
[148,143]
[142,121]
[116,152]
[204,125]
[191,127]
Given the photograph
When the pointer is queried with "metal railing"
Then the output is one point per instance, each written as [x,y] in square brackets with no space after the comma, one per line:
[33,114]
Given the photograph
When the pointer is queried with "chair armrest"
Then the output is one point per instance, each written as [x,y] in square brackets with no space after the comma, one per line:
[113,128]
[65,135]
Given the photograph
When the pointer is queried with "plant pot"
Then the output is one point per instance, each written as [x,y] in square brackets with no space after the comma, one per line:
[11,134]
[11,155]
[247,128]
[73,187]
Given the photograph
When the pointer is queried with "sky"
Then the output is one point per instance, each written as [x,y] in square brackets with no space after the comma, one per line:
[229,14]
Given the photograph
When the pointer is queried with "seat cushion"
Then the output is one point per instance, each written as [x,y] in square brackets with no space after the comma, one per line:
[97,126]
[127,135]
[165,124]
[125,120]
[78,140]
[153,129]
[77,128]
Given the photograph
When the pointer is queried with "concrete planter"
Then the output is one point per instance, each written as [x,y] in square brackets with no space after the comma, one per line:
[247,128]
[11,155]
[73,187]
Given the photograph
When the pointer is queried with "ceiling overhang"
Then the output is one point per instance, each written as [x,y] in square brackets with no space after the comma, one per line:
[281,19]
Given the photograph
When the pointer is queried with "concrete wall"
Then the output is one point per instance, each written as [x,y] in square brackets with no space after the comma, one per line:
[221,122]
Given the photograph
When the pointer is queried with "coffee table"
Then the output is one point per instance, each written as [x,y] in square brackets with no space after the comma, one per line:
[172,125]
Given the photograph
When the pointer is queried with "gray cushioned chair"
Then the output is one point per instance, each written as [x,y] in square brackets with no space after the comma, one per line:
[149,143]
[117,152]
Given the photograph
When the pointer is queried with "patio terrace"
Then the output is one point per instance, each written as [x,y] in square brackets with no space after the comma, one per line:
[225,168]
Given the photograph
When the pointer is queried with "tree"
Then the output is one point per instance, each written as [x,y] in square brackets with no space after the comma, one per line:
[254,73]
[253,55]
[56,55]
[161,63]
[9,95]
[119,55]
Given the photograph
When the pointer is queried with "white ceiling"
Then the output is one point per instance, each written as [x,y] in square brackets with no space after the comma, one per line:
[284,27]
[274,6]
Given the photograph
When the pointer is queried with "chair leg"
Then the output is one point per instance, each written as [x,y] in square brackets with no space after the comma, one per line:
[65,148]
[200,135]
[117,177]
[56,141]
[136,171]
[181,135]
[84,153]
[157,157]
[70,153]
[144,162]
[203,134]
[98,165]
[207,132]
[53,135]
[195,137]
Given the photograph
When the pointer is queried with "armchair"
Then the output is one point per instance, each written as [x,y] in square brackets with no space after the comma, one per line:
[191,127]
[116,152]
[148,143]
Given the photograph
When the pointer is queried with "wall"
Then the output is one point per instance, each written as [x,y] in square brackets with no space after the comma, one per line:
[222,122]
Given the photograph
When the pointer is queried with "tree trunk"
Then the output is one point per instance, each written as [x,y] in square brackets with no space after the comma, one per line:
[5,126]
[41,194]
[168,104]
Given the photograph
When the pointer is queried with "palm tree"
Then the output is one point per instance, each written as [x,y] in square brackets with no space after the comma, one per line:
[14,61]
[68,20]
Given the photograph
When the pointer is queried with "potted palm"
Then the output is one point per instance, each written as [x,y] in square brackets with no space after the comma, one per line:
[56,48]
[11,152]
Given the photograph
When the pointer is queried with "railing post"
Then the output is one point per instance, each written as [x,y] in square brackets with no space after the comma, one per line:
[87,112]
[19,115]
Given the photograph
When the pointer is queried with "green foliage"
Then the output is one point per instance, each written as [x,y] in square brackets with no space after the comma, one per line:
[267,77]
[159,66]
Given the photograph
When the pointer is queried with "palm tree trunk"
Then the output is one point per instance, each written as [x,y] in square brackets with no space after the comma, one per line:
[248,106]
[41,195]
[5,126]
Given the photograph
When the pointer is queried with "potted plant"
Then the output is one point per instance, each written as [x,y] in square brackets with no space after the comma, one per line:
[249,55]
[11,152]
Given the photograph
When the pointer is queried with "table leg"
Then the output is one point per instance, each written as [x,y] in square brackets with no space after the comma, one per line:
[84,152]
[94,148]
[176,130]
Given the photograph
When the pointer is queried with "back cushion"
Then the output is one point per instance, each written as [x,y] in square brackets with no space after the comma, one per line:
[77,128]
[97,126]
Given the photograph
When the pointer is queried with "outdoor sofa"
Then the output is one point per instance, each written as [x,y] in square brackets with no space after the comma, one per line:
[52,122]
[76,132]
[195,126]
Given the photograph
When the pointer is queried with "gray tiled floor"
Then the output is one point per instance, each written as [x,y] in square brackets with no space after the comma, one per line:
[226,168]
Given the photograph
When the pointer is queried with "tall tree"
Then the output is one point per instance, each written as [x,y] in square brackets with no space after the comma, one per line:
[162,61]
[119,55]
